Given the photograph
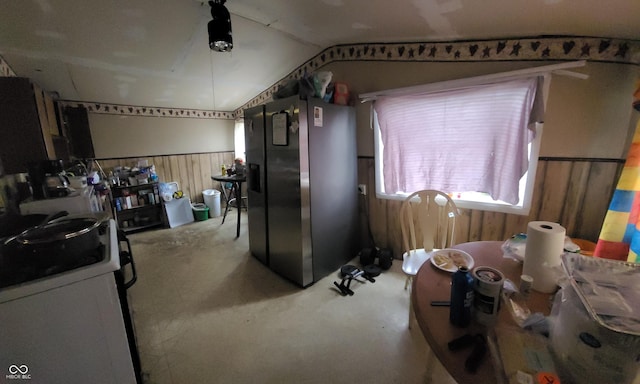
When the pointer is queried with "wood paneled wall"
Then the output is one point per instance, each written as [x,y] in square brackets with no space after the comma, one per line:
[192,171]
[572,192]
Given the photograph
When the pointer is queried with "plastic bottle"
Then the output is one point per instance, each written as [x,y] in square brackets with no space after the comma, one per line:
[156,194]
[461,297]
[224,170]
[113,180]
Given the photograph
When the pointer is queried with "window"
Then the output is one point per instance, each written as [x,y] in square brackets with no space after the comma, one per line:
[238,139]
[476,139]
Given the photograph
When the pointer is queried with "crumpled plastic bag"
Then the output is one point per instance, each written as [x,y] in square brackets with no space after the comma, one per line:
[320,82]
[306,87]
[292,87]
[515,246]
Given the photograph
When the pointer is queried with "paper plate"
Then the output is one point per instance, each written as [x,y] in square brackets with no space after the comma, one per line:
[450,259]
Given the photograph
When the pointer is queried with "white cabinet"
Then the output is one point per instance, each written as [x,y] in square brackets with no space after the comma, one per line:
[68,327]
[71,334]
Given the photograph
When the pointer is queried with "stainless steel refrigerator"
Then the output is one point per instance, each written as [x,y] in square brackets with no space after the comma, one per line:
[302,187]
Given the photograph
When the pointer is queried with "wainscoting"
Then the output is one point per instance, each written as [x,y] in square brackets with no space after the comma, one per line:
[572,192]
[192,171]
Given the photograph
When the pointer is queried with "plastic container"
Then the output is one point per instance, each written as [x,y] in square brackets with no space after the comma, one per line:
[486,294]
[341,94]
[200,211]
[595,327]
[212,200]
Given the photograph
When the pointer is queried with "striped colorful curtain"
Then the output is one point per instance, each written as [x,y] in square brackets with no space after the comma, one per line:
[620,234]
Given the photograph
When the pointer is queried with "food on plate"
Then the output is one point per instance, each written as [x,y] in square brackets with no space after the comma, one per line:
[458,259]
[442,261]
[450,259]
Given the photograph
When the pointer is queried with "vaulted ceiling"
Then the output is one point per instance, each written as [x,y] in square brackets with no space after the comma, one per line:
[155,53]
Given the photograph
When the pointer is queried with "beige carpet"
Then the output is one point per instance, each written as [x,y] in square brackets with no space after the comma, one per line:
[206,311]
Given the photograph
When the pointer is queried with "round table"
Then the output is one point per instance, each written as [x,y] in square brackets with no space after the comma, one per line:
[433,284]
[237,180]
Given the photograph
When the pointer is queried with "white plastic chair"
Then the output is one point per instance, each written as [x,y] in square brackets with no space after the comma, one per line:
[427,221]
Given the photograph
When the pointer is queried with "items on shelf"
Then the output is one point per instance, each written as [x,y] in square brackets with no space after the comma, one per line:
[136,197]
[132,176]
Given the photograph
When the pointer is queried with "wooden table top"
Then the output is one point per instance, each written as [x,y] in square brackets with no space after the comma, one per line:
[433,284]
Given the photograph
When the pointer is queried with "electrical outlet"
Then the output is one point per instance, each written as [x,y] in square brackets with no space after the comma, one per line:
[362,189]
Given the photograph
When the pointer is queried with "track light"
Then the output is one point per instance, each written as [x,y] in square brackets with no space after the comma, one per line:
[220,38]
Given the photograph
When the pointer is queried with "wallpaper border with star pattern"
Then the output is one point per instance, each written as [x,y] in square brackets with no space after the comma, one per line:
[563,48]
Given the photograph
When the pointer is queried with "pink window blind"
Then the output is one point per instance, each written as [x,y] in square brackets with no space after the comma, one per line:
[466,139]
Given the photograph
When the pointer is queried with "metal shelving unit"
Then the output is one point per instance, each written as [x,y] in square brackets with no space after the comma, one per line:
[137,207]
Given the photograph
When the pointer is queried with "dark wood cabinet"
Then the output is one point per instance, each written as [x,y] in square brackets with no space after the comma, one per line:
[24,124]
[75,127]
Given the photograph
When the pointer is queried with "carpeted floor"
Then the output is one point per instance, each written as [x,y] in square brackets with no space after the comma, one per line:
[206,311]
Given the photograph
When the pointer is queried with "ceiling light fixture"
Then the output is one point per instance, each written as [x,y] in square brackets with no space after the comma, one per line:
[220,38]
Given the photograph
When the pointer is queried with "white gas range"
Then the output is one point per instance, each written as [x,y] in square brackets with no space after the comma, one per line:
[68,327]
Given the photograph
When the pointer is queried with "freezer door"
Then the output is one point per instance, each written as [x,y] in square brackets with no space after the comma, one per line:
[333,180]
[254,133]
[288,190]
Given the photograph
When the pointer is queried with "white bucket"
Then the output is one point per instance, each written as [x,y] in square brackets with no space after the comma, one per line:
[212,200]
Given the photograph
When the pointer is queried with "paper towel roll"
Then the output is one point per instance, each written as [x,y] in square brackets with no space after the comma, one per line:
[542,256]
